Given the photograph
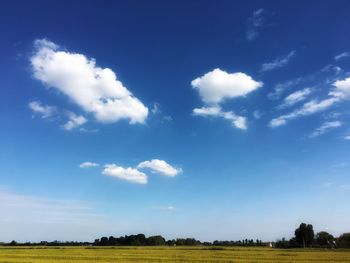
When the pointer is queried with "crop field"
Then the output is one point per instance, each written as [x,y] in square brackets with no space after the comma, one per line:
[166,254]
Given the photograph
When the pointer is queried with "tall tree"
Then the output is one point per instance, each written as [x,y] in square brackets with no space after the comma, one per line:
[304,235]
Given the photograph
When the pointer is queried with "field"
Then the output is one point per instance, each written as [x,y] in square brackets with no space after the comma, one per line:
[166,254]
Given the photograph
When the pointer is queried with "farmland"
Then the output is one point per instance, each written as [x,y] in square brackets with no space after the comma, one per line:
[167,254]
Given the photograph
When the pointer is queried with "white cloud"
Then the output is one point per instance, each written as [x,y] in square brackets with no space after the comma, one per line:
[295,97]
[342,89]
[257,114]
[45,111]
[239,122]
[340,92]
[74,121]
[96,90]
[218,85]
[165,208]
[325,127]
[214,111]
[155,109]
[347,137]
[308,108]
[342,55]
[88,165]
[128,174]
[278,62]
[161,167]
[333,69]
[280,88]
[255,22]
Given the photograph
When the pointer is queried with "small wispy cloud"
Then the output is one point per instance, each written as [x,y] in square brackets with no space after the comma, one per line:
[51,112]
[165,208]
[257,114]
[88,165]
[278,62]
[281,88]
[257,21]
[74,121]
[295,97]
[237,121]
[325,127]
[45,111]
[156,110]
[347,137]
[340,92]
[307,109]
[342,55]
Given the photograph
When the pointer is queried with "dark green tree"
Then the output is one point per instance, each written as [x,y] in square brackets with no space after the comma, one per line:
[156,241]
[104,241]
[304,235]
[324,239]
[344,240]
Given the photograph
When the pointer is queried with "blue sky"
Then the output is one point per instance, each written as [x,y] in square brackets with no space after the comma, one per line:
[223,120]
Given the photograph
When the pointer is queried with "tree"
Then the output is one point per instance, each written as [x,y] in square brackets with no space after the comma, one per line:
[304,235]
[344,240]
[156,241]
[104,241]
[324,239]
[13,243]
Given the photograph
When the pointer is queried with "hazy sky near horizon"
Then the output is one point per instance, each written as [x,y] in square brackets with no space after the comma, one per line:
[206,119]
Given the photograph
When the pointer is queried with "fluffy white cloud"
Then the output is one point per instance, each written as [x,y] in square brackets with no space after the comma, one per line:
[342,55]
[325,127]
[239,122]
[44,110]
[129,174]
[278,62]
[217,85]
[295,97]
[308,108]
[74,121]
[161,167]
[96,90]
[88,165]
[342,89]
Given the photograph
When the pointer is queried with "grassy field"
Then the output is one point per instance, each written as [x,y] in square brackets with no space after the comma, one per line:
[166,254]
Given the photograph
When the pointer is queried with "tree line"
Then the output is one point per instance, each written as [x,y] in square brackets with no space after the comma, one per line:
[304,236]
[142,240]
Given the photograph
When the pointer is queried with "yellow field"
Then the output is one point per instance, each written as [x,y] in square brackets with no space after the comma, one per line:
[167,254]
